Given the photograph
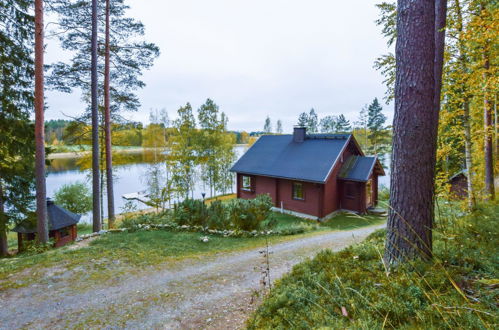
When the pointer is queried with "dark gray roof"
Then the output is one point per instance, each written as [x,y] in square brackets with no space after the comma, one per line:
[357,168]
[279,156]
[463,172]
[58,218]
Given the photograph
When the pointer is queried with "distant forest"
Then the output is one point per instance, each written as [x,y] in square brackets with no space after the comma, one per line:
[61,132]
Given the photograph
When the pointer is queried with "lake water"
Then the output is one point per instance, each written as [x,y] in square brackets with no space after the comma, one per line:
[130,171]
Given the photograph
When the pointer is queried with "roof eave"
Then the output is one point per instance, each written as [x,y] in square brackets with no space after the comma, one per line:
[280,177]
[349,179]
[338,157]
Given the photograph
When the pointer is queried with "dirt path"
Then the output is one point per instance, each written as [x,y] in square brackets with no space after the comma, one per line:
[217,292]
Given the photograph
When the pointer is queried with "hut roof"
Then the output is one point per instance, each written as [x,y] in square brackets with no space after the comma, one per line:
[58,217]
[359,168]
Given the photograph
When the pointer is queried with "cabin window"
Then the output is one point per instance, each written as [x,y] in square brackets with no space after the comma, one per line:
[298,191]
[247,183]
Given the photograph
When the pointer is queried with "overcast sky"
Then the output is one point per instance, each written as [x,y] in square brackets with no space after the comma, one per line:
[254,58]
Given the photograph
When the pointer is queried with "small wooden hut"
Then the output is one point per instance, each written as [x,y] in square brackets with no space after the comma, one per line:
[62,227]
[459,185]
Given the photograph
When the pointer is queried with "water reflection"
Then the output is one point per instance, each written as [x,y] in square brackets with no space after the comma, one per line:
[129,170]
[83,161]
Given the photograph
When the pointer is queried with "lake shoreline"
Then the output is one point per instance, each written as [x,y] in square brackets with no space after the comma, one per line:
[79,154]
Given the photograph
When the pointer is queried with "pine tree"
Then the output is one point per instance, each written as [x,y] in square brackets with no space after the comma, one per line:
[386,62]
[375,123]
[328,124]
[107,116]
[130,54]
[124,58]
[343,125]
[410,222]
[41,189]
[94,108]
[17,147]
[303,120]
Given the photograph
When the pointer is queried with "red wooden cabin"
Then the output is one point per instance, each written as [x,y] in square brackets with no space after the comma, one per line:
[311,175]
[62,227]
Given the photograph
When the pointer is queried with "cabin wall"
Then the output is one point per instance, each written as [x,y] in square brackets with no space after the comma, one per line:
[312,193]
[281,190]
[353,196]
[61,240]
[266,185]
[245,193]
[332,188]
[459,187]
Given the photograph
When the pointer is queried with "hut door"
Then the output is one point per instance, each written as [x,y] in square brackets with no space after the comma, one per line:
[369,193]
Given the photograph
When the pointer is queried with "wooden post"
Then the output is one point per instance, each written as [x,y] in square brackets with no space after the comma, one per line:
[20,246]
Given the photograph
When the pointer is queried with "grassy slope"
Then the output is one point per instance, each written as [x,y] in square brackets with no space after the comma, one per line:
[117,253]
[458,290]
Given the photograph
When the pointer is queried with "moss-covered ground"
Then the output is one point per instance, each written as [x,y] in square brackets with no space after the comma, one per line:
[458,289]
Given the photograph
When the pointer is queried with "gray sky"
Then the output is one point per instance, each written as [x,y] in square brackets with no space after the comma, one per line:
[254,58]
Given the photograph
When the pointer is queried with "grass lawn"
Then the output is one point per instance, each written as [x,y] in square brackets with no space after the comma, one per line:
[12,240]
[110,255]
[349,221]
[222,198]
[341,221]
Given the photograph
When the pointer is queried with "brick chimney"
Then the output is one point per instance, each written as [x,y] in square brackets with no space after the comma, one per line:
[299,133]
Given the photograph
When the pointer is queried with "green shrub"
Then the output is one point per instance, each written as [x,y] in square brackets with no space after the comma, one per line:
[135,222]
[217,216]
[75,197]
[191,212]
[248,214]
[384,193]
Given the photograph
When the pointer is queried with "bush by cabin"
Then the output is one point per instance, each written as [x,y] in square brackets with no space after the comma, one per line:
[310,175]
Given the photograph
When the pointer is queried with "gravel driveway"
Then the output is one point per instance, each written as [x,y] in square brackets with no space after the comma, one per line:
[215,292]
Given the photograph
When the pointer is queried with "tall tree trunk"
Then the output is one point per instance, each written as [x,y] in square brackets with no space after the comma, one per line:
[463,60]
[41,194]
[95,124]
[488,144]
[496,126]
[4,248]
[102,152]
[415,126]
[467,154]
[107,123]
